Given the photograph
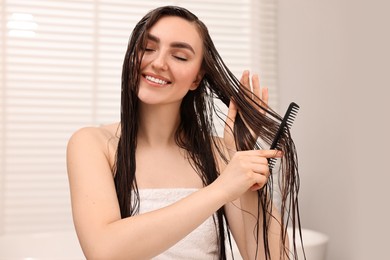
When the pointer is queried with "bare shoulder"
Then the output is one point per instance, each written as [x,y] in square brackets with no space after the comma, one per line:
[95,136]
[99,141]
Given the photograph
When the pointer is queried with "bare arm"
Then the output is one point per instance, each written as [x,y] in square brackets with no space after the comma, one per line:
[242,216]
[102,232]
[249,202]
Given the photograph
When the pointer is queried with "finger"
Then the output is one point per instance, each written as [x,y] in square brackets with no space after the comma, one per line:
[245,84]
[264,95]
[257,186]
[245,79]
[260,95]
[261,180]
[264,99]
[271,153]
[263,153]
[261,169]
[251,96]
[256,86]
[259,160]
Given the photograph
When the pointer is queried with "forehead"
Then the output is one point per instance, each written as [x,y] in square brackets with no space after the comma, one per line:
[176,29]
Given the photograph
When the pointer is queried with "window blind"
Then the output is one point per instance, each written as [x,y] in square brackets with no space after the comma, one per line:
[60,69]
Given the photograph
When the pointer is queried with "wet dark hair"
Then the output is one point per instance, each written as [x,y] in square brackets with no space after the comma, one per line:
[196,130]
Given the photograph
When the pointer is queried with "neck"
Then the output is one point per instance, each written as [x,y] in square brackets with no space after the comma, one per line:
[158,124]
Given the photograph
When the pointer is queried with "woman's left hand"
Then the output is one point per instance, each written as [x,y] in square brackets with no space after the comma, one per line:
[259,96]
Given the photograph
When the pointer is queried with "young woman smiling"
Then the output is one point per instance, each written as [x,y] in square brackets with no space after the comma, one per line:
[159,183]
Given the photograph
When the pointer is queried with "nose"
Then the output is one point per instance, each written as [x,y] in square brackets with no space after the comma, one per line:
[160,62]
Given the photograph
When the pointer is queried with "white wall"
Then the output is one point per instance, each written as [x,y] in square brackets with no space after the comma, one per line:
[334,61]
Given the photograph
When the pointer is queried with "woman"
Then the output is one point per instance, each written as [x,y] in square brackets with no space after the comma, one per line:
[159,184]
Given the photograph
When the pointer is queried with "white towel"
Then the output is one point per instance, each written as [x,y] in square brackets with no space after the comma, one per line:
[199,244]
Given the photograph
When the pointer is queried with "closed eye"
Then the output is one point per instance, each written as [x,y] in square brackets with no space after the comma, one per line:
[180,58]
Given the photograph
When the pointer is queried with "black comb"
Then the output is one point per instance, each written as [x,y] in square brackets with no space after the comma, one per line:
[287,122]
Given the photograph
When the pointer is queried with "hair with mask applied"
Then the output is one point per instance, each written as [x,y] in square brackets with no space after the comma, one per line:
[196,131]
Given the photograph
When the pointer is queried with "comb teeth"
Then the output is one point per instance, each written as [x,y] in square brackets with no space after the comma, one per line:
[291,117]
[285,125]
[271,163]
[291,113]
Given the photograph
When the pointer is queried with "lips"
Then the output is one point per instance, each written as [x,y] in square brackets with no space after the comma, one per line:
[156,79]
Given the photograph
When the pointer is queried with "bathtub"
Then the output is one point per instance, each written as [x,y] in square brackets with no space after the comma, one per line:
[41,246]
[314,242]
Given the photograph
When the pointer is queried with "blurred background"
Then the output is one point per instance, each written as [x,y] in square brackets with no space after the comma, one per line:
[60,69]
[334,60]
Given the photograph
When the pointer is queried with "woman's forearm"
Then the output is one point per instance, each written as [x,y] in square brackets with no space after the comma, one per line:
[147,235]
[249,205]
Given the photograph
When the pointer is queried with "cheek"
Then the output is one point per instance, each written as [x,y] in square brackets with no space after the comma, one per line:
[189,74]
[144,62]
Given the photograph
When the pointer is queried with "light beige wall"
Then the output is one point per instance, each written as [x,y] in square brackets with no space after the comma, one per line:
[334,61]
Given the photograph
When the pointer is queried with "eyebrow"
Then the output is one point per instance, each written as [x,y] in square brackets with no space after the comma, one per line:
[182,45]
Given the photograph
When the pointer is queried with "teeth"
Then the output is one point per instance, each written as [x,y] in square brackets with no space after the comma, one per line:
[159,81]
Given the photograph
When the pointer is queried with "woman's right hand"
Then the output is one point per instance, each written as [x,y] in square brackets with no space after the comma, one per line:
[247,170]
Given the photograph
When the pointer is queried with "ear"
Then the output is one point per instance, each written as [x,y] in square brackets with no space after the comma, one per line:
[197,80]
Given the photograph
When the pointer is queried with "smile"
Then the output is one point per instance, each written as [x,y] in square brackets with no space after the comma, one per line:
[156,80]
